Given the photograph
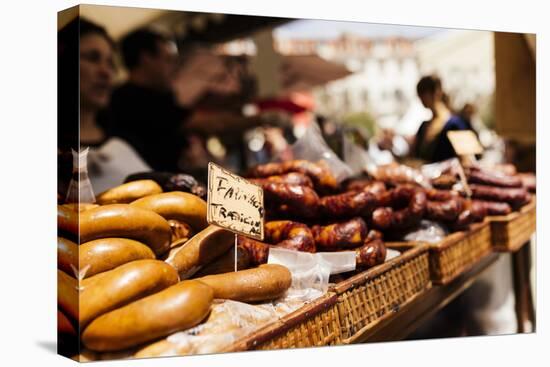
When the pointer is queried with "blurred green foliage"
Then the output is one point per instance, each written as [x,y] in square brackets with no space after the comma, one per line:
[362,120]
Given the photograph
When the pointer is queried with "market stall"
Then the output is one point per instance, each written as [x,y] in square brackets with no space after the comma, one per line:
[343,259]
[266,236]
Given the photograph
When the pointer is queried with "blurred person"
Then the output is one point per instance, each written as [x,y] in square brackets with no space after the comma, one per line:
[431,143]
[144,109]
[467,113]
[85,77]
[218,87]
[486,308]
[97,71]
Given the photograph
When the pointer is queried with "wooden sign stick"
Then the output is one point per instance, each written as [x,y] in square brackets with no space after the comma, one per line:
[236,252]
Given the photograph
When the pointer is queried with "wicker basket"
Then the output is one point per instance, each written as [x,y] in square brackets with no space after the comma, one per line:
[458,252]
[349,307]
[315,324]
[509,233]
[375,294]
[455,254]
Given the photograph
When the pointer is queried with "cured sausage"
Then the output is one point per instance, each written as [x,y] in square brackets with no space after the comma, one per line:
[529,181]
[67,294]
[173,309]
[128,192]
[67,220]
[374,235]
[394,174]
[257,251]
[80,207]
[67,256]
[200,250]
[348,234]
[349,204]
[267,282]
[106,254]
[493,179]
[180,231]
[382,217]
[290,235]
[292,178]
[64,325]
[375,187]
[127,221]
[372,253]
[408,206]
[516,197]
[180,206]
[492,207]
[301,201]
[319,172]
[443,206]
[470,214]
[122,285]
[170,181]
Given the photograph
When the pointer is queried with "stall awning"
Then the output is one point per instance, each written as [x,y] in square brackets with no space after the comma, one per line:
[304,72]
[205,72]
[189,27]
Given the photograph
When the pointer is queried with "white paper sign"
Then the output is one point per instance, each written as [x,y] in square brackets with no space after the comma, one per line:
[465,142]
[234,203]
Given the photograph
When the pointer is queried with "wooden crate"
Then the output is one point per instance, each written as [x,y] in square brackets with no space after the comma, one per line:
[510,232]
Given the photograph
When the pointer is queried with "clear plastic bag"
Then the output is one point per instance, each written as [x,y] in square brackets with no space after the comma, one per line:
[312,146]
[311,272]
[355,157]
[428,231]
[80,188]
[379,156]
[228,322]
[450,167]
[434,170]
[391,253]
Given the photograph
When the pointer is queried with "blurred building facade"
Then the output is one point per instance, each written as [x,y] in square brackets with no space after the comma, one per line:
[385,71]
[464,60]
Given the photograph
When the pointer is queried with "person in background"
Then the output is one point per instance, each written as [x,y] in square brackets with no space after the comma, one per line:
[86,75]
[144,110]
[431,143]
[486,308]
[468,114]
[97,70]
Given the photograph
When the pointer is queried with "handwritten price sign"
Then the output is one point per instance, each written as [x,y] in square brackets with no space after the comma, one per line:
[465,142]
[234,203]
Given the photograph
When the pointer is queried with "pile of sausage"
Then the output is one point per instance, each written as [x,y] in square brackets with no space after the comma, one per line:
[143,264]
[500,193]
[309,211]
[497,191]
[304,213]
